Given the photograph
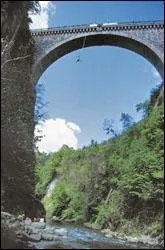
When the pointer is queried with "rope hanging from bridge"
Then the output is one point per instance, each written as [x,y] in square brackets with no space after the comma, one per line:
[84,42]
[78,59]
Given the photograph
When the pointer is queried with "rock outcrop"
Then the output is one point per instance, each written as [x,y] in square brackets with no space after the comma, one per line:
[24,234]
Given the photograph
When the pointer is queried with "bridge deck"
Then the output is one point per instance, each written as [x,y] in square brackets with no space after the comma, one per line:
[99,27]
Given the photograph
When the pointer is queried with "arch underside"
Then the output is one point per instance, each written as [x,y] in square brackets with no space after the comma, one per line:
[98,40]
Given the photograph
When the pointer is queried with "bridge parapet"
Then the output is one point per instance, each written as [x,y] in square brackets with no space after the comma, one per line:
[99,27]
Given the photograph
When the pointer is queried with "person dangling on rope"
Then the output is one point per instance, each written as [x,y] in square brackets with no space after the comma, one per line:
[78,59]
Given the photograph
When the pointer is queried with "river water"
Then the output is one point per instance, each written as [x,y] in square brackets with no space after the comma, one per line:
[84,238]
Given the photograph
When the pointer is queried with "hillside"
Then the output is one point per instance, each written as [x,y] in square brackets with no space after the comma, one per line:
[116,185]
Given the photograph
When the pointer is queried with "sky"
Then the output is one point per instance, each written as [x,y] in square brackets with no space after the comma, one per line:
[106,82]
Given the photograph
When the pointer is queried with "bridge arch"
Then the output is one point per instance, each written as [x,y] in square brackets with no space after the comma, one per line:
[73,43]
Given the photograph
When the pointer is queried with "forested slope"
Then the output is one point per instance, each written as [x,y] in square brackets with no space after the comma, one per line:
[117,184]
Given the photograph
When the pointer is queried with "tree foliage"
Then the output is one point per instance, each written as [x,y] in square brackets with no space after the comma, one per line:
[126,120]
[108,127]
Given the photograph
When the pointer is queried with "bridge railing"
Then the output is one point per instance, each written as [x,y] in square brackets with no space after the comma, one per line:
[110,24]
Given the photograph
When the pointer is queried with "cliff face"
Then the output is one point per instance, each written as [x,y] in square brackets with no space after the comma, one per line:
[17,109]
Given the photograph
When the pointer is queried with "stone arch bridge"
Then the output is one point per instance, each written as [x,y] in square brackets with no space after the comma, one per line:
[18,99]
[144,38]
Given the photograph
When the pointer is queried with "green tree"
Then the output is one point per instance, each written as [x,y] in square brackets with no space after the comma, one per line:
[108,127]
[126,120]
[143,107]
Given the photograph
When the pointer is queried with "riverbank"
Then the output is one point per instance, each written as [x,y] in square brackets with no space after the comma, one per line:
[141,239]
[19,234]
[144,239]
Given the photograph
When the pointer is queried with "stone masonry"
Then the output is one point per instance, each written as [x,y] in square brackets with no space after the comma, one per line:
[146,39]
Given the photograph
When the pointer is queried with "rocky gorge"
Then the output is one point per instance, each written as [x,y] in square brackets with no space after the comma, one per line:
[22,234]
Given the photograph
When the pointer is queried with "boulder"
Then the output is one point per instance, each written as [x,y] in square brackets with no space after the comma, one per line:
[35,237]
[146,239]
[34,230]
[40,225]
[108,233]
[56,237]
[46,236]
[61,231]
[49,230]
[131,239]
[55,219]
[29,229]
[13,234]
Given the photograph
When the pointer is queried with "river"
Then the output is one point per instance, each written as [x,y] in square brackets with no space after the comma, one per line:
[84,238]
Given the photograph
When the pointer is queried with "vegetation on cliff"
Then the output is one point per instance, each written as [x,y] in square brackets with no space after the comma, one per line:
[117,184]
[17,102]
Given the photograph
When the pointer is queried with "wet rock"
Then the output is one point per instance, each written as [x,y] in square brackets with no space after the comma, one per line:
[13,234]
[56,237]
[49,230]
[27,222]
[35,237]
[108,233]
[46,236]
[28,229]
[160,239]
[20,217]
[64,237]
[131,239]
[55,219]
[143,239]
[105,231]
[40,225]
[61,231]
[35,230]
[146,239]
